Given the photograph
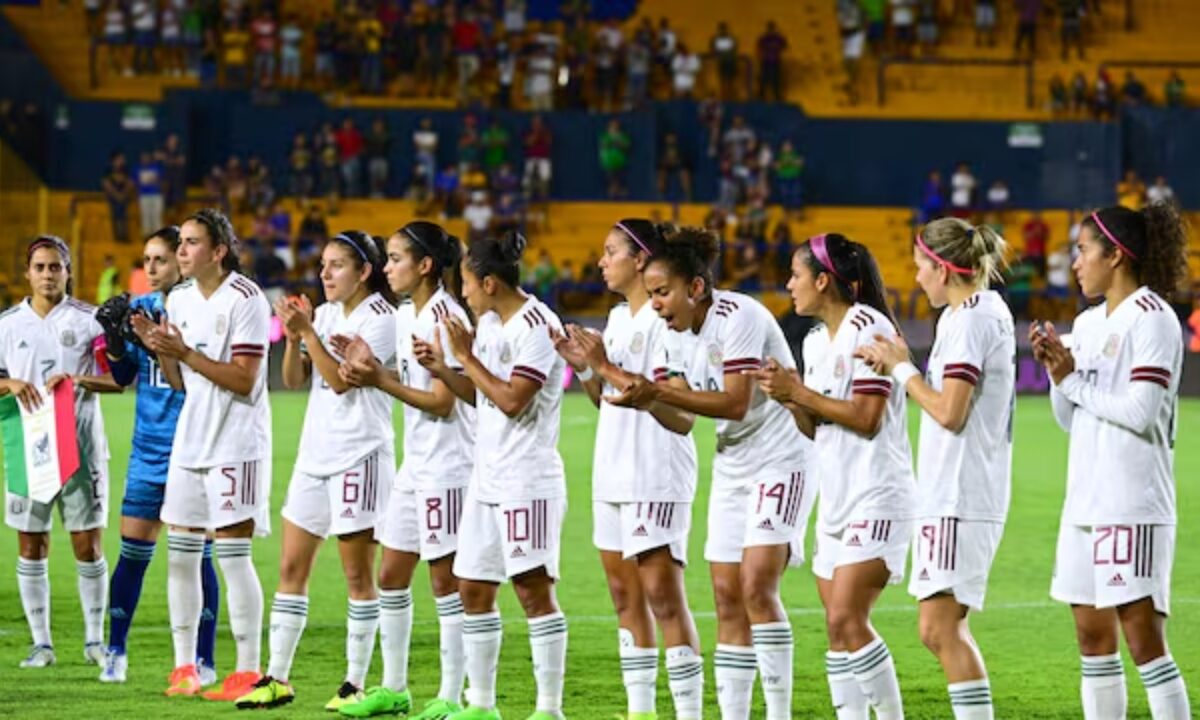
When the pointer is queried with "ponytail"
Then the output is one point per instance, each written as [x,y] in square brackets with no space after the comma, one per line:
[1154,240]
[975,251]
[851,268]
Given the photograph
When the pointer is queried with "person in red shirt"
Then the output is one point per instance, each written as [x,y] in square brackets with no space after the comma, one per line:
[264,31]
[771,47]
[1036,234]
[538,142]
[467,36]
[350,144]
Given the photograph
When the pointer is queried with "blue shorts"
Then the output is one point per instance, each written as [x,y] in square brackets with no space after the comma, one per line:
[143,497]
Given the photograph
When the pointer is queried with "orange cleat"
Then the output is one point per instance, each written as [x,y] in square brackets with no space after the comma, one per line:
[184,680]
[236,685]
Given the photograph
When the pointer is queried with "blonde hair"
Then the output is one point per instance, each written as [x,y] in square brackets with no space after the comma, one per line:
[977,247]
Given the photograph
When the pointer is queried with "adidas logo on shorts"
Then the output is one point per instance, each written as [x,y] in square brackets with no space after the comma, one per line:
[1116,581]
[228,505]
[517,552]
[348,513]
[766,525]
[432,539]
[640,532]
[853,541]
[924,574]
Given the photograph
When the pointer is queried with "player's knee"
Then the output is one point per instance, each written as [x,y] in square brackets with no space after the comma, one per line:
[760,594]
[936,634]
[359,582]
[1145,647]
[1096,640]
[293,571]
[87,546]
[624,594]
[443,584]
[844,624]
[727,597]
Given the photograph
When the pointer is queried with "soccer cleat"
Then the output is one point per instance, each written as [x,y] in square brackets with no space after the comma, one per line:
[184,680]
[93,653]
[266,693]
[544,715]
[437,709]
[116,665]
[347,694]
[236,685]
[379,701]
[40,656]
[475,713]
[208,675]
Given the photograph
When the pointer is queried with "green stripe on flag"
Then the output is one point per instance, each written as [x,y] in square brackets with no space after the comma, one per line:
[13,431]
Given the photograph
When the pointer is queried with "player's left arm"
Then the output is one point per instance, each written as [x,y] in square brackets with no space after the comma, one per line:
[534,359]
[249,337]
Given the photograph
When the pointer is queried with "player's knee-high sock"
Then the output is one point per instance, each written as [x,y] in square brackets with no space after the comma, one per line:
[1103,686]
[876,674]
[33,580]
[362,620]
[773,650]
[971,700]
[548,644]
[450,620]
[481,646]
[289,615]
[685,678]
[395,632]
[639,671]
[734,668]
[1165,689]
[126,588]
[848,699]
[206,639]
[93,597]
[244,594]
[184,596]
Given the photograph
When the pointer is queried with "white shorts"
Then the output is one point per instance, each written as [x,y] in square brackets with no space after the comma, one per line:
[82,505]
[772,510]
[636,527]
[339,504]
[422,521]
[1110,565]
[218,497]
[502,540]
[953,556]
[861,541]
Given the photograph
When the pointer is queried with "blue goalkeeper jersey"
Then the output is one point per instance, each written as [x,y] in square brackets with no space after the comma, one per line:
[158,405]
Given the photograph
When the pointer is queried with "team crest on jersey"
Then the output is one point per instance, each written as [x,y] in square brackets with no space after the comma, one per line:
[67,338]
[637,343]
[714,355]
[222,324]
[839,366]
[506,354]
[1110,347]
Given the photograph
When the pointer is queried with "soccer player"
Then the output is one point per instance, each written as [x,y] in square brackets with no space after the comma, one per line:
[158,406]
[424,507]
[335,487]
[1115,391]
[513,513]
[964,467]
[45,339]
[761,495]
[864,518]
[643,483]
[213,343]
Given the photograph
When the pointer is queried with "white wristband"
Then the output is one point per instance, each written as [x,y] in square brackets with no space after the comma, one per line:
[904,372]
[585,374]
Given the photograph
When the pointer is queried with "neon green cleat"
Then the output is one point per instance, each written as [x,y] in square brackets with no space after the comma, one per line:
[266,693]
[437,709]
[347,694]
[475,713]
[378,701]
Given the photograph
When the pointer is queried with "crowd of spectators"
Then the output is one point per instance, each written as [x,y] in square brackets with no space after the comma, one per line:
[1101,97]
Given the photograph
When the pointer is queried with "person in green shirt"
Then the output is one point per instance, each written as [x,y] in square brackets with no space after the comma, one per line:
[495,143]
[789,167]
[875,12]
[109,282]
[614,157]
[1173,90]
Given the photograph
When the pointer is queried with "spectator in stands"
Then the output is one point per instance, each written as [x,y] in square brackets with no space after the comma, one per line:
[985,23]
[116,37]
[666,45]
[903,20]
[1173,90]
[109,283]
[1133,91]
[685,67]
[370,43]
[724,47]
[771,47]
[781,251]
[214,189]
[324,65]
[468,144]
[1058,95]
[1027,20]
[300,161]
[1071,18]
[505,181]
[467,39]
[291,35]
[927,25]
[514,16]
[872,15]
[933,199]
[1131,191]
[747,269]
[505,72]
[540,71]
[174,163]
[312,235]
[473,178]
[194,38]
[962,190]
[850,22]
[638,56]
[378,147]
[234,42]
[1104,102]
[1079,93]
[119,191]
[606,64]
[478,214]
[508,213]
[1160,192]
[1036,236]
[538,144]
[998,197]
[149,176]
[752,225]
[260,193]
[350,145]
[434,51]
[237,190]
[711,111]
[403,47]
[789,168]
[143,15]
[329,168]
[447,192]
[728,185]
[543,276]
[264,30]
[738,140]
[425,142]
[494,142]
[614,158]
[281,233]
[673,170]
[170,34]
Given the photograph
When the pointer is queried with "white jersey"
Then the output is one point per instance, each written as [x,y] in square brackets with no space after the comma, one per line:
[341,430]
[636,458]
[34,349]
[517,458]
[968,474]
[216,426]
[739,334]
[861,478]
[1116,475]
[437,451]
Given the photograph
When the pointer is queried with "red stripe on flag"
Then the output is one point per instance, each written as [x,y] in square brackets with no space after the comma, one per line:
[64,429]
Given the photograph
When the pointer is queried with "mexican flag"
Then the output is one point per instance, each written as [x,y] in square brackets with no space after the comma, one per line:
[41,450]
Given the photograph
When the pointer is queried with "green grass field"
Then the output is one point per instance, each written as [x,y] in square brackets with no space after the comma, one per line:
[1027,639]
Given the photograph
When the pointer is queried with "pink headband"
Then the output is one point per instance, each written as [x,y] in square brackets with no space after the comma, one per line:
[822,255]
[1111,237]
[634,238]
[940,260]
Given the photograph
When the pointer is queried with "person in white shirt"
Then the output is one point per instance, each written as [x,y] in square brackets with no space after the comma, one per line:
[1160,192]
[864,464]
[964,469]
[1115,391]
[962,188]
[212,342]
[685,66]
[424,508]
[643,481]
[762,494]
[345,455]
[45,339]
[513,513]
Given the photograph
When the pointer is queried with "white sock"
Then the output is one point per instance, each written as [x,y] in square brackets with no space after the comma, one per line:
[734,668]
[639,672]
[848,699]
[244,597]
[93,598]
[971,700]
[289,614]
[773,650]
[548,643]
[1103,687]
[481,647]
[33,579]
[454,669]
[395,629]
[876,674]
[1165,689]
[185,595]
[685,678]
[362,620]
